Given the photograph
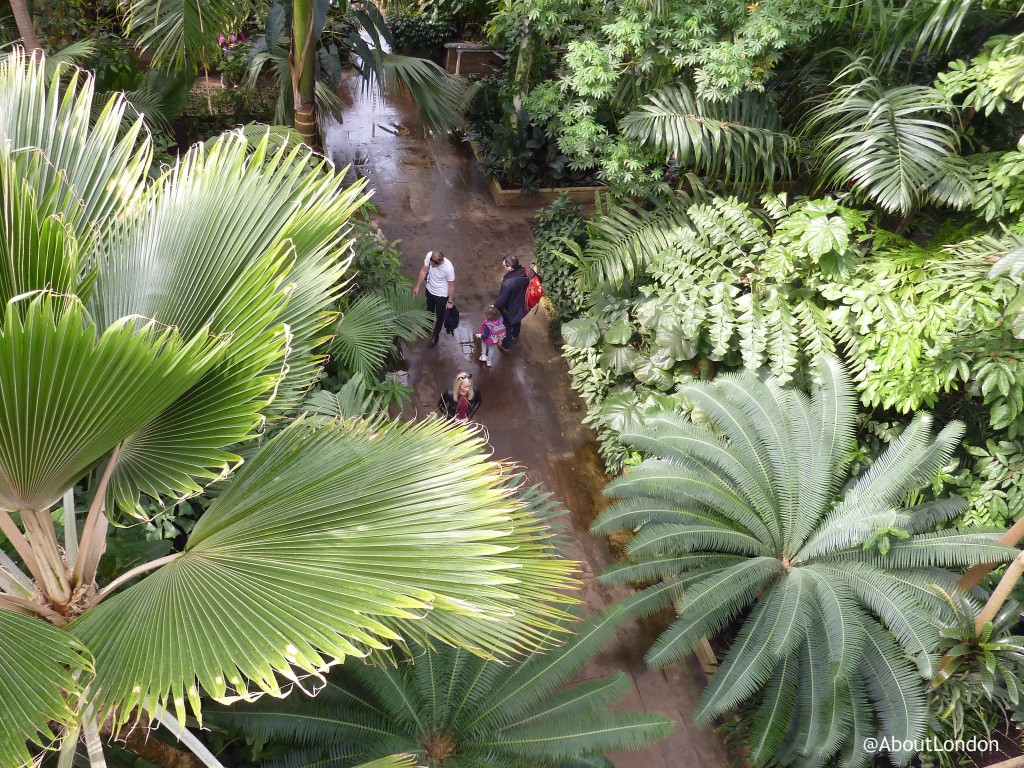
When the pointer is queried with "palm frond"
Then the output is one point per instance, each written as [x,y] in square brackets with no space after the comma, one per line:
[737,141]
[771,720]
[100,389]
[68,56]
[177,32]
[515,715]
[711,603]
[238,286]
[290,556]
[889,146]
[363,336]
[902,710]
[353,400]
[43,673]
[99,160]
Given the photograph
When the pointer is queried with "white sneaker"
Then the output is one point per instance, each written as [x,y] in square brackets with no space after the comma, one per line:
[483,359]
[488,363]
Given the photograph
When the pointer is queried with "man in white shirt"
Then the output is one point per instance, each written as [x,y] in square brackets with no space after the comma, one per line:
[439,275]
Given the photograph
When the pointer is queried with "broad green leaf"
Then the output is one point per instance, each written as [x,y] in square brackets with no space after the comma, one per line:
[69,394]
[581,333]
[323,545]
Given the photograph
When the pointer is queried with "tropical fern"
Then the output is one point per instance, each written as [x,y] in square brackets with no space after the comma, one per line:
[748,508]
[452,709]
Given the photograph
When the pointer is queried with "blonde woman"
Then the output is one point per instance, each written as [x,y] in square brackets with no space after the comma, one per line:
[462,400]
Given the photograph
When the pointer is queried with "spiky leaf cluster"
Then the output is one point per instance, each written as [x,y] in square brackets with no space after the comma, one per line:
[748,513]
[455,710]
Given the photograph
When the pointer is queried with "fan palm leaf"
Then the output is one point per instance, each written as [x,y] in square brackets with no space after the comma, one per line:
[364,334]
[828,602]
[450,708]
[320,493]
[42,678]
[147,328]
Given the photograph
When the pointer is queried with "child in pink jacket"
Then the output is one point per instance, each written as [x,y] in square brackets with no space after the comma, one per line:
[492,333]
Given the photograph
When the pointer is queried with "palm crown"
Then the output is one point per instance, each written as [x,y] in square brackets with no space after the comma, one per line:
[454,710]
[147,329]
[751,511]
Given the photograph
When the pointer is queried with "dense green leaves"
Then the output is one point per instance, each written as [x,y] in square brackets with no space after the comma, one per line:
[826,606]
[452,709]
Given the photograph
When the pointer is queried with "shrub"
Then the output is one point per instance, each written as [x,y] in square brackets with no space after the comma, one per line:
[560,222]
[416,32]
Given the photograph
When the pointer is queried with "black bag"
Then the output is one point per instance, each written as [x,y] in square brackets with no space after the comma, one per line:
[451,318]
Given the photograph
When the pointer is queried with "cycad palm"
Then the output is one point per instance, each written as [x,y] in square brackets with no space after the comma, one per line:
[147,328]
[751,514]
[454,710]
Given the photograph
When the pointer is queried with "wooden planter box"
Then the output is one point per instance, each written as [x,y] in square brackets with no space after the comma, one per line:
[545,195]
[463,58]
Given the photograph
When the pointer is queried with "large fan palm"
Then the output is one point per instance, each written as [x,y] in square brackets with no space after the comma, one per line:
[454,710]
[146,329]
[752,512]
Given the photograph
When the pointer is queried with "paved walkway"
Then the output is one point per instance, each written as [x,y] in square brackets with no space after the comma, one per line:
[432,196]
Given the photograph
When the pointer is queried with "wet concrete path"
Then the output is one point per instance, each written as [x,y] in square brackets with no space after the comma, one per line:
[431,196]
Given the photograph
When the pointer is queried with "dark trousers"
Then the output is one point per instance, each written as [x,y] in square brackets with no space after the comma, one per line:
[511,332]
[436,304]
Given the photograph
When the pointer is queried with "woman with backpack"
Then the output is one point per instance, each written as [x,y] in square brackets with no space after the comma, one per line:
[511,301]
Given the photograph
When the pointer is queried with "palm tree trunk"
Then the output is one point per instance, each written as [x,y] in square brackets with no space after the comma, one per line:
[27,30]
[303,71]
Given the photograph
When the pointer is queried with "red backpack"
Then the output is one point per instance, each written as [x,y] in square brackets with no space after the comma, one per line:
[534,290]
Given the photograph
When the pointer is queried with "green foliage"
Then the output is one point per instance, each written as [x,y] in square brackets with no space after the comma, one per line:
[415,31]
[376,261]
[990,81]
[516,150]
[745,512]
[553,228]
[706,286]
[167,321]
[890,145]
[736,141]
[449,708]
[980,682]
